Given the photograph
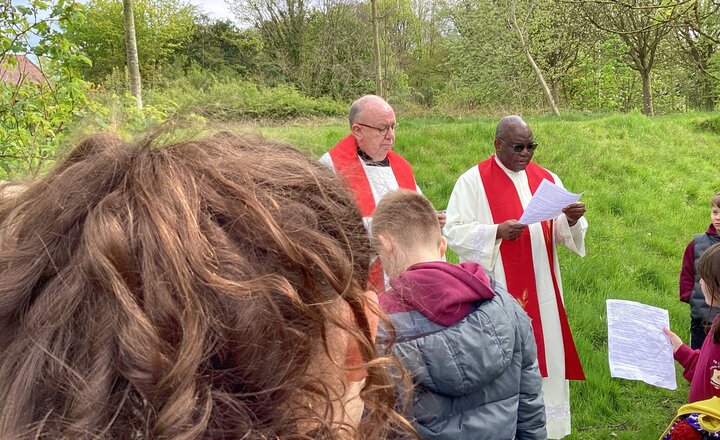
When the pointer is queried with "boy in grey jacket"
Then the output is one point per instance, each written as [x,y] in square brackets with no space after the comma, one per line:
[467,343]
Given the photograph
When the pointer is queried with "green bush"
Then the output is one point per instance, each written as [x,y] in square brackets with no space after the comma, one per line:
[36,113]
[33,120]
[229,98]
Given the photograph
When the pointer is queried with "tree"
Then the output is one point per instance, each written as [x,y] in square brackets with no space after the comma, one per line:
[495,49]
[218,44]
[376,45]
[641,25]
[339,56]
[698,35]
[162,28]
[561,42]
[133,65]
[282,25]
[426,59]
[525,44]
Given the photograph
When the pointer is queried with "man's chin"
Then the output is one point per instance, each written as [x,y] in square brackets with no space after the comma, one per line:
[520,166]
[384,154]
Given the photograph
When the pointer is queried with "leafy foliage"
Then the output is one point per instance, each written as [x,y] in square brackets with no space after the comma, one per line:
[35,114]
[205,94]
[162,28]
[216,45]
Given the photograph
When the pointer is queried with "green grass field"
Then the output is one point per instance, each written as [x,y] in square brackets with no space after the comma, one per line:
[647,185]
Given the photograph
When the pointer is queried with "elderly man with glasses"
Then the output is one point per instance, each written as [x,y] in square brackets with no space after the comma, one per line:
[365,158]
[367,163]
[482,226]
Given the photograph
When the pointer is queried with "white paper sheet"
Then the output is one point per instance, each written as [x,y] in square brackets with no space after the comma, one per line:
[547,203]
[637,347]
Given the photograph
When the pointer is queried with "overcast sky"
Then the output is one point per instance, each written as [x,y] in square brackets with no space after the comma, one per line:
[215,8]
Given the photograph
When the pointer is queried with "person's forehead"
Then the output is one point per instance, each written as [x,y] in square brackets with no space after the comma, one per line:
[519,131]
[379,111]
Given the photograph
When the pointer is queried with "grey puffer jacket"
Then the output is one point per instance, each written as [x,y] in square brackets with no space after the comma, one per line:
[477,378]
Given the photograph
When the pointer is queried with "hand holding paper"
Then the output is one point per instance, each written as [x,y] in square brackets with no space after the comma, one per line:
[573,212]
[674,339]
[637,347]
[510,229]
[548,202]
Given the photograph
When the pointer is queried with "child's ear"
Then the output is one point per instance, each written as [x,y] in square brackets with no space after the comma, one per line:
[443,246]
[386,244]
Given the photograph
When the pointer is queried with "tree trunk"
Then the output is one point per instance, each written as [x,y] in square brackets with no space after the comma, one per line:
[555,90]
[709,95]
[528,55]
[647,94]
[131,52]
[541,78]
[378,57]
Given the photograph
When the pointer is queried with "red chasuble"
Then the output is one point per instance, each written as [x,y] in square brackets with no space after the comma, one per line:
[518,260]
[348,164]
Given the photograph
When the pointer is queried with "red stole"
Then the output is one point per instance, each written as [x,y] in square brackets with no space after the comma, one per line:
[518,260]
[348,164]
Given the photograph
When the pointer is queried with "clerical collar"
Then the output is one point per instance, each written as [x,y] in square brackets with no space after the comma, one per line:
[370,162]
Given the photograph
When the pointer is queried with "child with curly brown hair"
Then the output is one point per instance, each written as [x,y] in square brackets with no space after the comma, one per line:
[209,289]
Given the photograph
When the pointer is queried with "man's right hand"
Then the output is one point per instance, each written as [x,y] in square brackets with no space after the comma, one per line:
[510,229]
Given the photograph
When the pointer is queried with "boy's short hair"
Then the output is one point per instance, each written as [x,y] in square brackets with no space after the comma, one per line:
[408,217]
[715,200]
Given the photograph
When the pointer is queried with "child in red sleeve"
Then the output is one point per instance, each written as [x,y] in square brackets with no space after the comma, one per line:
[701,314]
[702,367]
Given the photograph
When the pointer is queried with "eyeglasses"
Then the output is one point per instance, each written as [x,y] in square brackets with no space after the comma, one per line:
[519,147]
[383,131]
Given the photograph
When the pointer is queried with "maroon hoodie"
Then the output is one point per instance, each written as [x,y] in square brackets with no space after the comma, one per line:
[442,292]
[687,272]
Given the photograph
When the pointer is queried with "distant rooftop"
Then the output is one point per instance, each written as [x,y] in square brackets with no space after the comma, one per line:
[24,70]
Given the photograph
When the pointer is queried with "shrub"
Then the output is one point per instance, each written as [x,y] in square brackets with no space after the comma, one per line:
[231,98]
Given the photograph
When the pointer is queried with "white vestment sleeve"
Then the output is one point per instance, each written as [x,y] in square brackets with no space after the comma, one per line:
[326,160]
[469,228]
[572,237]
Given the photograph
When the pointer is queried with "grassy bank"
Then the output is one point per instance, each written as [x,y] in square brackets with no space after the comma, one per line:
[647,185]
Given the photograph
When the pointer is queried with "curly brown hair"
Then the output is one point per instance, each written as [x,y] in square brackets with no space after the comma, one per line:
[201,290]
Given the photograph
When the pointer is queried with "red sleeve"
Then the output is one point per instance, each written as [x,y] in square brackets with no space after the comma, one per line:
[687,357]
[687,273]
